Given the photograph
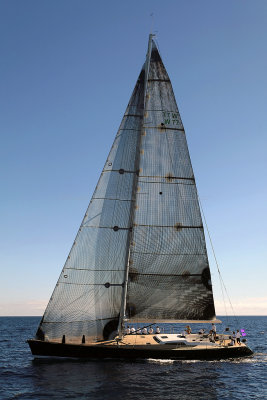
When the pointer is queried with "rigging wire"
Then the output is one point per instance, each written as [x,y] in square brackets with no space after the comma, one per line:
[217,265]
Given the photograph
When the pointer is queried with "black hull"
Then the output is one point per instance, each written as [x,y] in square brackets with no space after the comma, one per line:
[49,349]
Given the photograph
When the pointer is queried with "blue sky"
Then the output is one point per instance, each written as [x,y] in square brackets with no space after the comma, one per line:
[67,71]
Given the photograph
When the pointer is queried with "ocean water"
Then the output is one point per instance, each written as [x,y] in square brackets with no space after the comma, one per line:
[23,377]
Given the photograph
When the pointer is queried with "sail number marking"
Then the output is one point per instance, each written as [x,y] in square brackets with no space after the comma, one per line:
[170,117]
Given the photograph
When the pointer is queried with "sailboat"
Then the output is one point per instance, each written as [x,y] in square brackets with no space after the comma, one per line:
[139,256]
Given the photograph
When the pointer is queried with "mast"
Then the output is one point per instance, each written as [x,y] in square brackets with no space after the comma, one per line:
[137,161]
[147,64]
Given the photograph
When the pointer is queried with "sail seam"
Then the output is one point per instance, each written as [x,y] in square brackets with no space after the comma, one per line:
[169,254]
[73,322]
[155,110]
[133,115]
[128,129]
[182,275]
[108,198]
[168,183]
[94,270]
[89,284]
[123,131]
[170,178]
[159,80]
[171,226]
[118,170]
[163,127]
[107,227]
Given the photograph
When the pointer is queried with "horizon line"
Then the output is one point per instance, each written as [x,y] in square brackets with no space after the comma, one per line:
[221,315]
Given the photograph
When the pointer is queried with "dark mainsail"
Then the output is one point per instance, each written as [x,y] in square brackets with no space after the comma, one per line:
[169,275]
[140,252]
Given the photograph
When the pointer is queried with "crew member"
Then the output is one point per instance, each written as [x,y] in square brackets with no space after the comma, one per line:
[128,330]
[188,330]
[238,337]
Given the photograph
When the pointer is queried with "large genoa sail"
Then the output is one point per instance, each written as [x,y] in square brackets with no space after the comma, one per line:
[169,275]
[87,297]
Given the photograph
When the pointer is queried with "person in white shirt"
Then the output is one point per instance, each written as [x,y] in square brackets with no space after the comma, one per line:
[233,337]
[150,330]
[132,330]
[213,332]
[157,329]
[128,330]
[238,335]
[144,331]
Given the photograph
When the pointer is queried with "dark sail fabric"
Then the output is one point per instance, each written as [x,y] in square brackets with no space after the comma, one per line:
[169,275]
[87,297]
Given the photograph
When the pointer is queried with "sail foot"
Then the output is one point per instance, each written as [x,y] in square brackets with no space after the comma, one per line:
[174,321]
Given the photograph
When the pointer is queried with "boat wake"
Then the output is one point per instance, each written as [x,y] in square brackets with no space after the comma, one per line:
[256,358]
[160,361]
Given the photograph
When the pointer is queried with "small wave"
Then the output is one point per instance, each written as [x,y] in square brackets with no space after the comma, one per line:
[262,356]
[160,361]
[256,358]
[16,395]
